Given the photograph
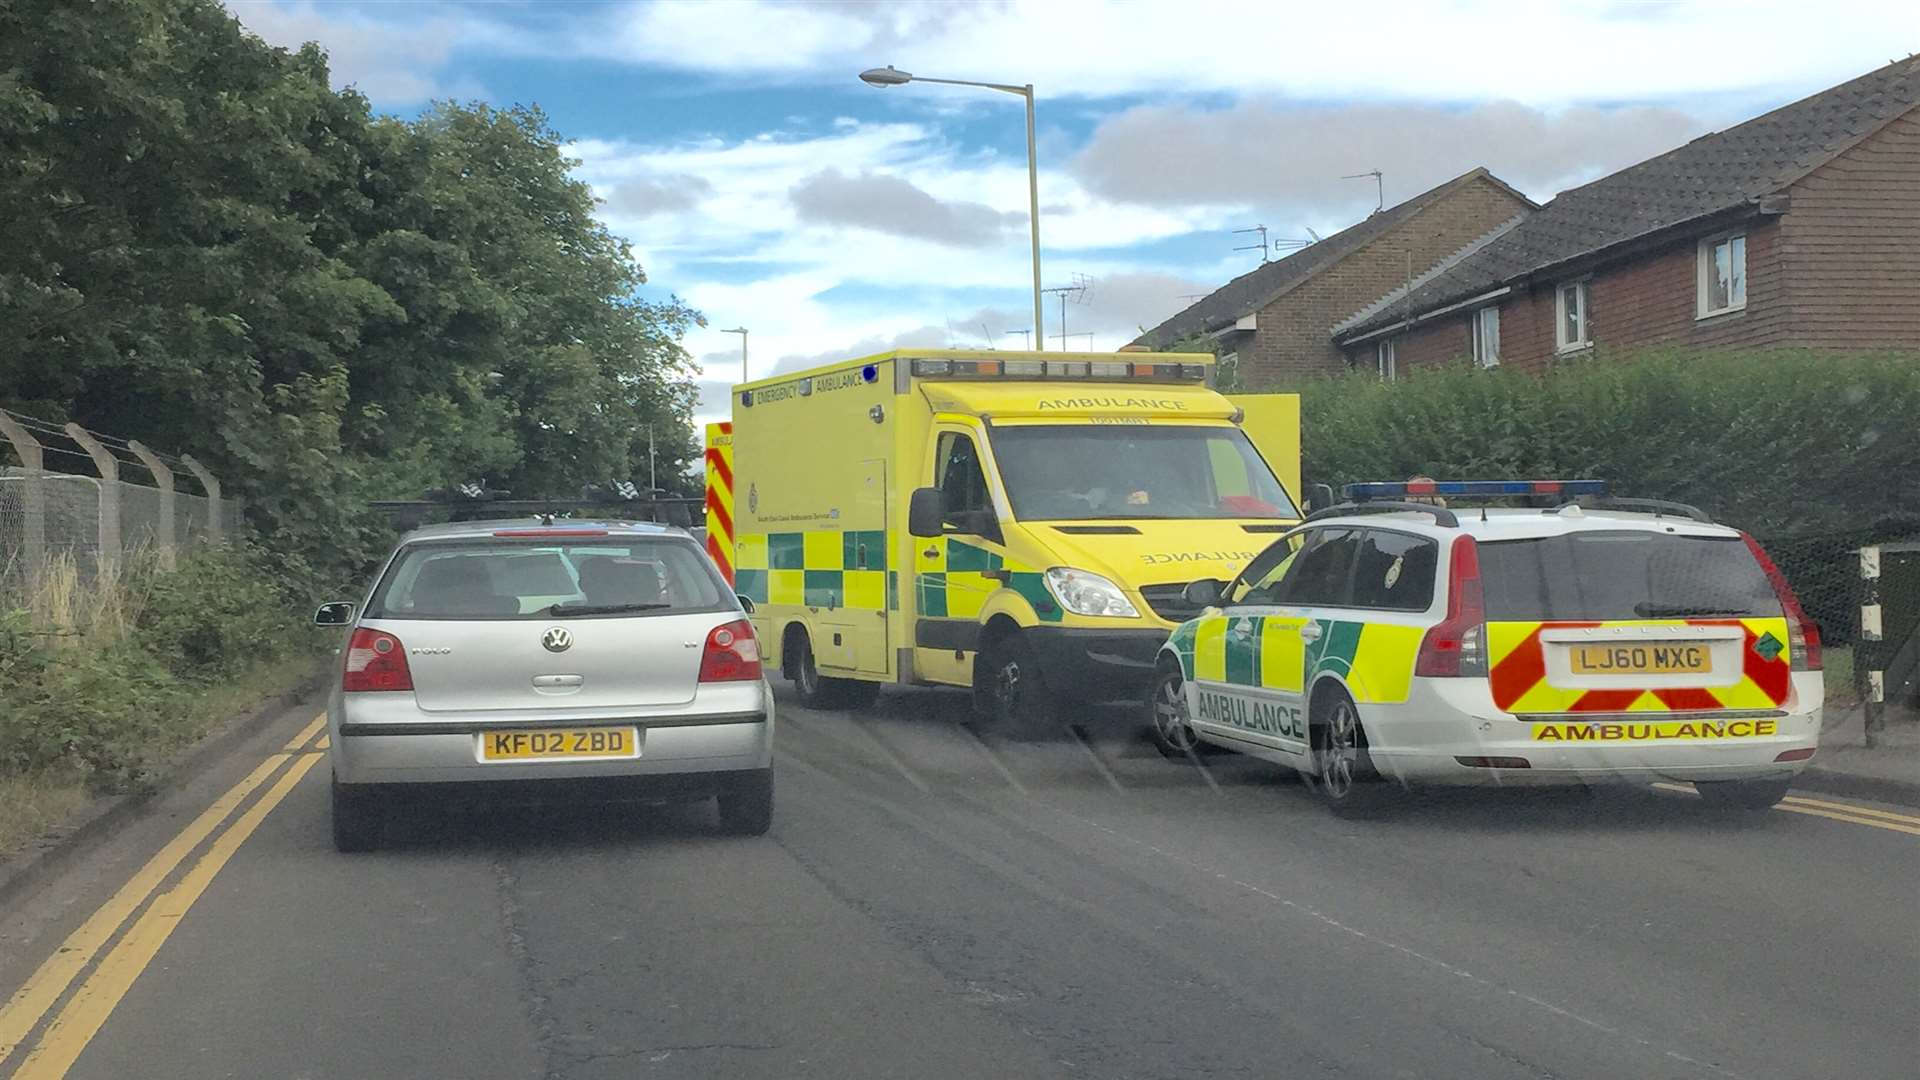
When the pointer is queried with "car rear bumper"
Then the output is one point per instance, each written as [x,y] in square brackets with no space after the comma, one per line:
[1445,720]
[1096,665]
[391,742]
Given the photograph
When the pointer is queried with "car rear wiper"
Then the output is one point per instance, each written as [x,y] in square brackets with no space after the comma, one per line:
[1681,611]
[561,611]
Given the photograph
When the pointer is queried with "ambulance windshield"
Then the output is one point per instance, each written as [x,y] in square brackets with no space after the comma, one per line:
[1086,471]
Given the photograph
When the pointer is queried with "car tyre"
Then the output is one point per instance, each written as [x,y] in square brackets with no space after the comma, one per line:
[746,809]
[1342,773]
[819,691]
[357,819]
[1010,690]
[1743,794]
[1167,720]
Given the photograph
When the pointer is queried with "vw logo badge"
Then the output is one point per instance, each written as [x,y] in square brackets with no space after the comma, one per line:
[558,639]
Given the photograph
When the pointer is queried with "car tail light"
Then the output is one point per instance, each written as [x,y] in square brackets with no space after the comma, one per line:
[375,661]
[733,654]
[1803,637]
[1456,645]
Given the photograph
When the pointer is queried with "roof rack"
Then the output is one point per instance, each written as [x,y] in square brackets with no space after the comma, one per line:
[1653,506]
[1442,516]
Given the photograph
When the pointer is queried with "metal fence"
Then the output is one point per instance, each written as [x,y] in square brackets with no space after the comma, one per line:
[68,494]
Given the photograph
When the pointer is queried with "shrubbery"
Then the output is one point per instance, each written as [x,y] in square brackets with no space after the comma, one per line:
[1815,453]
[102,677]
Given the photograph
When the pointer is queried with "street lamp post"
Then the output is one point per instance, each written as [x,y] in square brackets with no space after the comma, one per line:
[891,76]
[742,331]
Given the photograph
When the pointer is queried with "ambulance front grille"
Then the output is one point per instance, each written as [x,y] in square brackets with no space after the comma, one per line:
[1168,602]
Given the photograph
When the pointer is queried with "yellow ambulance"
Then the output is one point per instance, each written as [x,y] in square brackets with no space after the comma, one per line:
[1020,523]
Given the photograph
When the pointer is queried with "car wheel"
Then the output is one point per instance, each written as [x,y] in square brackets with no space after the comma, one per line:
[819,691]
[357,822]
[1341,772]
[1167,716]
[1009,687]
[1743,794]
[746,809]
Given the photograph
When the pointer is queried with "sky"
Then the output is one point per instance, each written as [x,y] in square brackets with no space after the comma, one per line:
[759,180]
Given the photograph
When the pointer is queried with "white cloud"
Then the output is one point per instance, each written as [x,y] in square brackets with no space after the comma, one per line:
[1468,50]
[1267,153]
[390,61]
[890,204]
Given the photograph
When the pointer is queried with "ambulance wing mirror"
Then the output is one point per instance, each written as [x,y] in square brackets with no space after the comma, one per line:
[1319,496]
[1204,593]
[926,512]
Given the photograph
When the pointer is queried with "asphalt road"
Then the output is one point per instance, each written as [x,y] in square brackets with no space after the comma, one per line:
[930,903]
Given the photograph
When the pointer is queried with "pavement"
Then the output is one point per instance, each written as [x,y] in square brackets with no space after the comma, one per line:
[934,902]
[1887,769]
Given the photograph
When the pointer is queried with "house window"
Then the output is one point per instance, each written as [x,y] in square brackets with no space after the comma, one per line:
[1571,329]
[1486,337]
[1383,359]
[1723,275]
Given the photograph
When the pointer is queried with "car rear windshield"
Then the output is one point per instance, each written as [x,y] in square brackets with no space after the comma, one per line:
[508,579]
[1623,575]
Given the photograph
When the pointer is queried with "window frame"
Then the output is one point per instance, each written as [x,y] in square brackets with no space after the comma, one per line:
[1484,357]
[1433,587]
[1581,287]
[1704,273]
[942,464]
[1386,361]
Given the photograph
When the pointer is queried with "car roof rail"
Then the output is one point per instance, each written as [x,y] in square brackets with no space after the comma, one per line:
[1442,516]
[1652,506]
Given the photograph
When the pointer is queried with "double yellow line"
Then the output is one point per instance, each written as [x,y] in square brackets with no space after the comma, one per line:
[88,1008]
[1834,811]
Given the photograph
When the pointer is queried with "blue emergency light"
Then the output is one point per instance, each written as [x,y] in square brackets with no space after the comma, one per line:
[1471,489]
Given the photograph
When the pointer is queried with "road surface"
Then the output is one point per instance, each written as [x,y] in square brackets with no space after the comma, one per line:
[934,904]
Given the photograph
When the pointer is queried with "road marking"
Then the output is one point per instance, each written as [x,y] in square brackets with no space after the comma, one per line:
[1801,800]
[306,734]
[1912,830]
[1847,812]
[90,1006]
[31,1002]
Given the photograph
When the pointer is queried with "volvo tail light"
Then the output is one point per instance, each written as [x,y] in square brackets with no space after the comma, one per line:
[1456,645]
[1803,637]
[733,654]
[375,661]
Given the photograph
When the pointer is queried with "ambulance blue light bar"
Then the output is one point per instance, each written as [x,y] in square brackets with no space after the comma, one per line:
[1058,369]
[1472,489]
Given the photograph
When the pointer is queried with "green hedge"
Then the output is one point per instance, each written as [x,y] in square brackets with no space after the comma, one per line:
[1815,453]
[107,702]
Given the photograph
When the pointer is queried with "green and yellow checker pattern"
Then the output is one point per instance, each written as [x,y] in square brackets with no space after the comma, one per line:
[830,568]
[951,581]
[1267,652]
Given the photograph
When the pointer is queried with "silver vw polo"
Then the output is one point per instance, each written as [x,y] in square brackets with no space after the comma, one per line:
[610,658]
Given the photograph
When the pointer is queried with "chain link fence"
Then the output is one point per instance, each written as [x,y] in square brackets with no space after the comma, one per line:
[68,498]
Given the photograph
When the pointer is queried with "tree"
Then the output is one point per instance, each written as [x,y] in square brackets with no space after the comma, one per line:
[211,250]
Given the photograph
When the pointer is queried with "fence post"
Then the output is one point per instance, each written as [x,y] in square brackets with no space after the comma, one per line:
[162,479]
[1867,662]
[34,499]
[212,488]
[109,469]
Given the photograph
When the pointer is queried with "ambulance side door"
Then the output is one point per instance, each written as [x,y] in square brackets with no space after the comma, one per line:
[1243,650]
[955,573]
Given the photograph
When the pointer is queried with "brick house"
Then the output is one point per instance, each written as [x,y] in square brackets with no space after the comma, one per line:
[1798,227]
[1278,319]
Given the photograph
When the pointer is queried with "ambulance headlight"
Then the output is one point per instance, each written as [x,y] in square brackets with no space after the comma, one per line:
[1089,594]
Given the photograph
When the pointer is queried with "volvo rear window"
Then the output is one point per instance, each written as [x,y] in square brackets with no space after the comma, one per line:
[509,579]
[1623,575]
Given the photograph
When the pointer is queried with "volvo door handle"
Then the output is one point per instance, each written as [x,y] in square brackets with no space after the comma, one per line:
[931,553]
[1310,632]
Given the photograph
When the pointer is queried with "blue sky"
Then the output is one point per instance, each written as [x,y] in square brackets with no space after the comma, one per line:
[761,181]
